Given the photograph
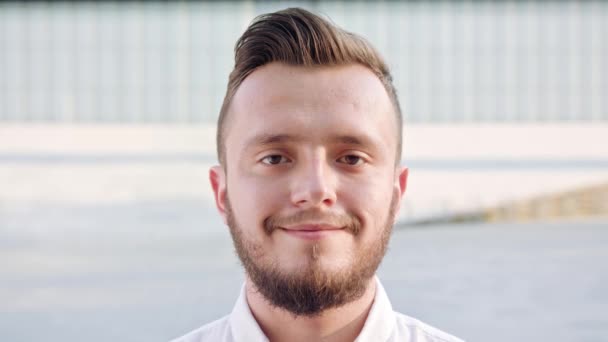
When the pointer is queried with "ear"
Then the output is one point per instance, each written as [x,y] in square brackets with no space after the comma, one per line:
[217,177]
[401,175]
[399,187]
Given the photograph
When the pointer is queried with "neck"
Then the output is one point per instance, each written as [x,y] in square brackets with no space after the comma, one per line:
[339,324]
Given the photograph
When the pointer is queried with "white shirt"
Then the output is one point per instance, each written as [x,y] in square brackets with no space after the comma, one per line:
[382,324]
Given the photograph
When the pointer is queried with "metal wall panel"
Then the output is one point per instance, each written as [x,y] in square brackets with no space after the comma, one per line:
[453,61]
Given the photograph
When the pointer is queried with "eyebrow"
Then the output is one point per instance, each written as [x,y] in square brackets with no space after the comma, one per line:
[265,139]
[270,139]
[352,140]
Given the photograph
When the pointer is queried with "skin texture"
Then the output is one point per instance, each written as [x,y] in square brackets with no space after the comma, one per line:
[310,148]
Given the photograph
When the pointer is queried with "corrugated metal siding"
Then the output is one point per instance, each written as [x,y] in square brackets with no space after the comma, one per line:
[169,62]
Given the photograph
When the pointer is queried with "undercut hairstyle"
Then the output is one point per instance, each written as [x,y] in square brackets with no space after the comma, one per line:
[297,37]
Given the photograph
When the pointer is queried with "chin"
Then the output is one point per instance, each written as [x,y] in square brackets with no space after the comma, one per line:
[318,263]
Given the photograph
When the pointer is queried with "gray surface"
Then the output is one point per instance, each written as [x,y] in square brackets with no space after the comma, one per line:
[149,271]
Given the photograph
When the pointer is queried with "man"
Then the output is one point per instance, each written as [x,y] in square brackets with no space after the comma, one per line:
[309,183]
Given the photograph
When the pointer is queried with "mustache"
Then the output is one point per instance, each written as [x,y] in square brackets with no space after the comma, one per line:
[351,223]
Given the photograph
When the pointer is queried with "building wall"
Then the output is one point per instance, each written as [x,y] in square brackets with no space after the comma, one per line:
[460,61]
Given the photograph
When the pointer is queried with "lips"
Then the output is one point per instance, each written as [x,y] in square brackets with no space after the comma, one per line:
[313,220]
[312,227]
[311,231]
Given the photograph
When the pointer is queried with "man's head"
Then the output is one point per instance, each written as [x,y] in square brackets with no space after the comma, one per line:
[297,37]
[311,131]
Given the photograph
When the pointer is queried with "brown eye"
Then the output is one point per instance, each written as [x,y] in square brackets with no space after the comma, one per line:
[273,159]
[351,159]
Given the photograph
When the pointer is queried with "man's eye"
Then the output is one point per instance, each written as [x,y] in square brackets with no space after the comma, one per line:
[274,159]
[351,159]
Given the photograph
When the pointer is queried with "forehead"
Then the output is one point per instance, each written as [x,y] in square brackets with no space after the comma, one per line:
[311,102]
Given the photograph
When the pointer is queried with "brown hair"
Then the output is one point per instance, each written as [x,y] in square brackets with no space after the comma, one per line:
[295,36]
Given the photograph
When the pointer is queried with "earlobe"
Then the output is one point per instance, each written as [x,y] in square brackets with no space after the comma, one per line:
[217,177]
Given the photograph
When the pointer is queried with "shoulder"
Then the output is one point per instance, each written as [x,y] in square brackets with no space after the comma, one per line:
[218,330]
[419,331]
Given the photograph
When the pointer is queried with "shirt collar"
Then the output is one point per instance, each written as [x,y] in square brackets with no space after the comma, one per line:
[243,326]
[378,326]
[380,321]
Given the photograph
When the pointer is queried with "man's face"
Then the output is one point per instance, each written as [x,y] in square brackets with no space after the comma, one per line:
[310,189]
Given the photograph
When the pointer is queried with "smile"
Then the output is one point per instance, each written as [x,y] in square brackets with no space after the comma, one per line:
[311,232]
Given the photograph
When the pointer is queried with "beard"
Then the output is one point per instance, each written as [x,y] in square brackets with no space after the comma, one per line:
[311,290]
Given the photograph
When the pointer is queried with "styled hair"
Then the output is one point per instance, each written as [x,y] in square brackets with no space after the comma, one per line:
[297,37]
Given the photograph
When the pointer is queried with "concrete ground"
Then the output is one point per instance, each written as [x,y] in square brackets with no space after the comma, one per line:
[110,232]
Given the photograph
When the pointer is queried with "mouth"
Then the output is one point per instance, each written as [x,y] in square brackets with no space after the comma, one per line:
[312,231]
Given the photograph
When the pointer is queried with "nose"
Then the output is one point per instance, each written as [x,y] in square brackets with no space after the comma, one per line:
[313,184]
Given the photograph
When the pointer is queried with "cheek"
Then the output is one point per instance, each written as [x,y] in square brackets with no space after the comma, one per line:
[253,199]
[371,199]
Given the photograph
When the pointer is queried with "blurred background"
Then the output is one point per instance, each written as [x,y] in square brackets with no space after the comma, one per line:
[108,231]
